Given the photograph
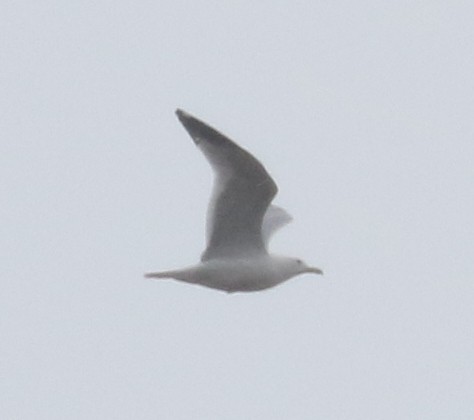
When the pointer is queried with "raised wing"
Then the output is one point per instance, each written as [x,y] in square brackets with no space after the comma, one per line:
[275,218]
[243,190]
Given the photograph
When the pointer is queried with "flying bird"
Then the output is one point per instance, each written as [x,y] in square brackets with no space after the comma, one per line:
[240,220]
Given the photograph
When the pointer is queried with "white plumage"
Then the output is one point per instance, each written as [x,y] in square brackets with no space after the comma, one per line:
[240,220]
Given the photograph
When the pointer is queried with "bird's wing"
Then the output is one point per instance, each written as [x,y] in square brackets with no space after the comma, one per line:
[275,218]
[242,193]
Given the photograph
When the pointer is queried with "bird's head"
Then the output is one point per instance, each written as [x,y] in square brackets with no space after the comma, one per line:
[295,266]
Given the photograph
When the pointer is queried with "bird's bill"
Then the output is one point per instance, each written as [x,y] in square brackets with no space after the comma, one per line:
[314,270]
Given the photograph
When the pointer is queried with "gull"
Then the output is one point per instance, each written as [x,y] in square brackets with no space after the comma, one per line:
[240,220]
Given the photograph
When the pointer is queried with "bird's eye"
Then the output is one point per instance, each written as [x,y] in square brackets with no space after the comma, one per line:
[299,261]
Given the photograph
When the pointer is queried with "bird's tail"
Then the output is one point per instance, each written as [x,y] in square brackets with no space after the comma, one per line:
[185,274]
[161,275]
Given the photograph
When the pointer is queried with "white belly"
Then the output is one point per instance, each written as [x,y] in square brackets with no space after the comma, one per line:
[237,275]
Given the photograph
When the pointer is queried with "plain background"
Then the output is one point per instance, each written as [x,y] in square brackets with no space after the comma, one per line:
[363,113]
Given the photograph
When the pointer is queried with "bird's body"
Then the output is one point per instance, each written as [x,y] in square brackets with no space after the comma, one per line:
[240,221]
[238,275]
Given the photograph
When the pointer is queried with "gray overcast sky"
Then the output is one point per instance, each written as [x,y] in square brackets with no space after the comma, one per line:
[363,113]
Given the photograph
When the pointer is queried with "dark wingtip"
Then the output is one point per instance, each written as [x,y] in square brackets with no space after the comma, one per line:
[187,120]
[196,128]
[183,115]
